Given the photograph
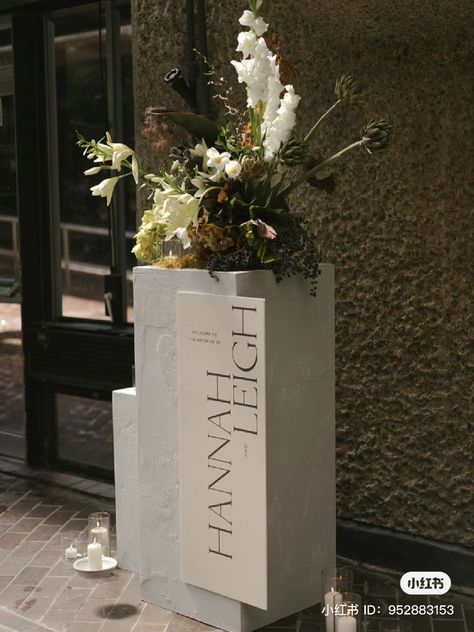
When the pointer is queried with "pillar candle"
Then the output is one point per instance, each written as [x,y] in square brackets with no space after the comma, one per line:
[331,598]
[346,624]
[99,534]
[94,555]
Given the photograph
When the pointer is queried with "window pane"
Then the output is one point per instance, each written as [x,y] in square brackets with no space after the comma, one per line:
[12,413]
[9,243]
[6,56]
[129,139]
[85,431]
[81,103]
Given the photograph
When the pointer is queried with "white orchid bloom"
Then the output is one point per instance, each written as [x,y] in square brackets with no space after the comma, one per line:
[92,171]
[216,159]
[233,169]
[258,25]
[183,236]
[182,211]
[105,188]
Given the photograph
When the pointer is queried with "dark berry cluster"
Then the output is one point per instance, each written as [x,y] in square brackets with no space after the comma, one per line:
[296,254]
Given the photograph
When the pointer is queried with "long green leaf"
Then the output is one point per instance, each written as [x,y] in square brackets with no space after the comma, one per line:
[196,124]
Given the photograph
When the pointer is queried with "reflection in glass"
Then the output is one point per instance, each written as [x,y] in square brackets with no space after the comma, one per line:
[12,413]
[9,242]
[81,104]
[128,139]
[6,55]
[85,431]
[80,57]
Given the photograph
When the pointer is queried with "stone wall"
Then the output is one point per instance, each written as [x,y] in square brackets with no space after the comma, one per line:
[399,229]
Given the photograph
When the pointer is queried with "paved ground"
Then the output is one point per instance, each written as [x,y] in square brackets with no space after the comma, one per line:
[40,591]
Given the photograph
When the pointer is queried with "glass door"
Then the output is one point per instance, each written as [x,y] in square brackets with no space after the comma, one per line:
[89,91]
[72,71]
[12,409]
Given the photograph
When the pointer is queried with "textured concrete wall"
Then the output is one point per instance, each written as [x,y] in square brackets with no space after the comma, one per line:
[399,229]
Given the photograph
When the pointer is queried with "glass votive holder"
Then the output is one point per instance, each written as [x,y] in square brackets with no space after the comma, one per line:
[348,613]
[69,546]
[337,579]
[171,248]
[393,625]
[99,530]
[335,582]
[74,548]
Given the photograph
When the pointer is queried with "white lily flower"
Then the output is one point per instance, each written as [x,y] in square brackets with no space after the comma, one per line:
[233,169]
[108,151]
[92,171]
[120,152]
[135,168]
[216,159]
[161,195]
[105,188]
[258,25]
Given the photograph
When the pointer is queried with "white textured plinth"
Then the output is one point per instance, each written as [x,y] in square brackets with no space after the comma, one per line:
[124,406]
[300,441]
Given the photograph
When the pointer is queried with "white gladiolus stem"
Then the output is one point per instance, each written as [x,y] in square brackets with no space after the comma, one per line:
[260,72]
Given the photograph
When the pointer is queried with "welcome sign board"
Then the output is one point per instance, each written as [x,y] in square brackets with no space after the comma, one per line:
[221,365]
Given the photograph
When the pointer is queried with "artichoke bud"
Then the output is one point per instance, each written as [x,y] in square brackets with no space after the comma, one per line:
[293,153]
[376,135]
[348,89]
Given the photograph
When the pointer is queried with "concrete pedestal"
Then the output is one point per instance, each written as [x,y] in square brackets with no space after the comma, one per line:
[124,408]
[300,441]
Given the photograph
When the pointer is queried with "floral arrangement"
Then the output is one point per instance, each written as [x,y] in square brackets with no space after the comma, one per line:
[226,195]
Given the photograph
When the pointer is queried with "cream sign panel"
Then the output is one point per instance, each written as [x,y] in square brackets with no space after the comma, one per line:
[221,342]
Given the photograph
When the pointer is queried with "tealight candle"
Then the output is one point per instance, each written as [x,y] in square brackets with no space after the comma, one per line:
[94,555]
[71,553]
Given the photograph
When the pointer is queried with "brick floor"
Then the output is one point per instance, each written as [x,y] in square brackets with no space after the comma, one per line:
[41,592]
